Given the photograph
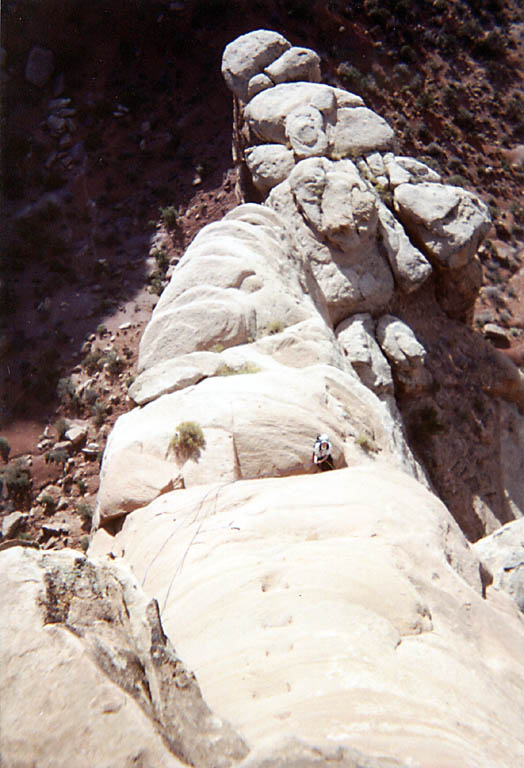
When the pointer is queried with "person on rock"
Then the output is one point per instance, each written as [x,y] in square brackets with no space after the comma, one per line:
[322,457]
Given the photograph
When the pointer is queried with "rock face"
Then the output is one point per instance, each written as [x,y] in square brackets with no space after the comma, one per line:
[344,605]
[89,677]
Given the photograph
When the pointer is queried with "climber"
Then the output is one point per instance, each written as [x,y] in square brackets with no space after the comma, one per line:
[322,453]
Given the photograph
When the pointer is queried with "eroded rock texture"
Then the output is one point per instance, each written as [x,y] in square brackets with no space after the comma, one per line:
[88,675]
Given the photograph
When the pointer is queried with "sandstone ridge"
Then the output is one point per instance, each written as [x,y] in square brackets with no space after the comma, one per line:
[324,617]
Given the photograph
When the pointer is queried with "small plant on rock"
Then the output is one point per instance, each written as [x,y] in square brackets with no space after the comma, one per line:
[188,440]
[367,443]
[227,370]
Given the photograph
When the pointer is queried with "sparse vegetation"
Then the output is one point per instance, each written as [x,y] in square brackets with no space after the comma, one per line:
[48,503]
[169,216]
[16,477]
[188,440]
[61,426]
[57,456]
[367,443]
[85,510]
[227,370]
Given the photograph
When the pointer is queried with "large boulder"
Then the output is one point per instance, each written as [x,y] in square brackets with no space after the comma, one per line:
[356,335]
[269,164]
[89,677]
[448,223]
[345,605]
[331,216]
[405,353]
[266,113]
[248,56]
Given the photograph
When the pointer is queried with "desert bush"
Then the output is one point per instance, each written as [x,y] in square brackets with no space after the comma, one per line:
[366,443]
[17,480]
[92,362]
[61,426]
[465,119]
[81,485]
[426,423]
[169,216]
[85,510]
[5,449]
[457,180]
[491,46]
[56,456]
[227,370]
[99,412]
[48,503]
[188,440]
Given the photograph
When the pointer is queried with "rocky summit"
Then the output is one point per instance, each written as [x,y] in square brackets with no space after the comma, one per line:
[237,606]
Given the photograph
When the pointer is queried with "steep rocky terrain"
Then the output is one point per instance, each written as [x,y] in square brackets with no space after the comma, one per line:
[327,616]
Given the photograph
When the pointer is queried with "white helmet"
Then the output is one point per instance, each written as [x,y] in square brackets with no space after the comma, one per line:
[323,438]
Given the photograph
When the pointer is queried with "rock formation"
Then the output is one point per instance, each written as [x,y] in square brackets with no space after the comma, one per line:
[321,613]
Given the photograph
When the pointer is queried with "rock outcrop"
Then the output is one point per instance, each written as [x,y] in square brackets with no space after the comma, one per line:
[327,616]
[344,606]
[89,677]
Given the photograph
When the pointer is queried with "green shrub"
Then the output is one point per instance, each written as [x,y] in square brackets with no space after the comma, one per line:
[457,180]
[169,216]
[17,480]
[426,424]
[61,426]
[92,362]
[227,370]
[101,330]
[85,510]
[99,412]
[188,440]
[367,443]
[5,449]
[56,456]
[48,502]
[81,485]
